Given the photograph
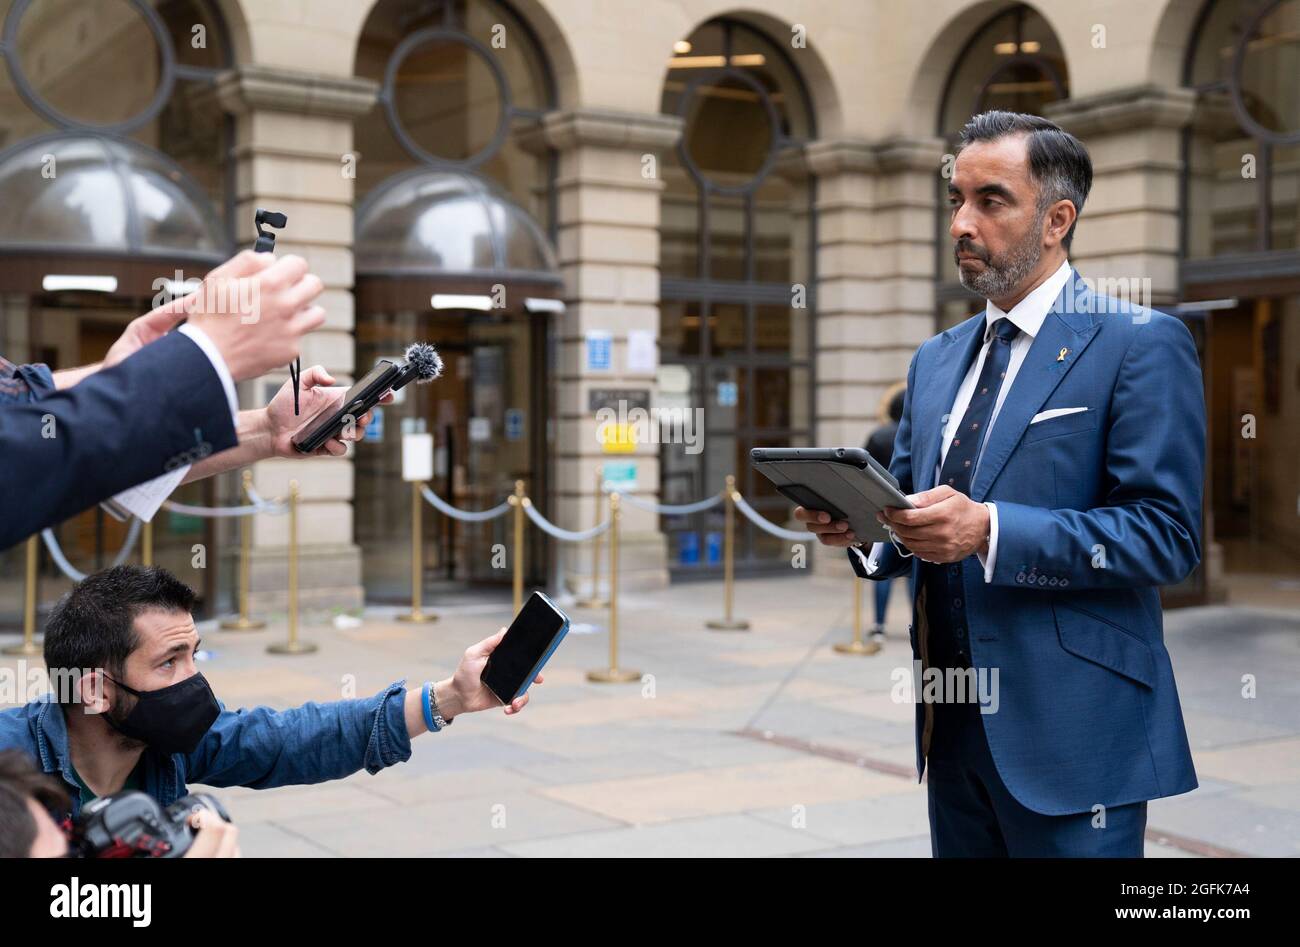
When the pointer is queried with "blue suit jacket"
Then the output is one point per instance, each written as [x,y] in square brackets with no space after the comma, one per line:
[161,408]
[1096,509]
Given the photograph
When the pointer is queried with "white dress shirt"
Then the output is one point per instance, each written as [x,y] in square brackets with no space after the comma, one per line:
[1028,316]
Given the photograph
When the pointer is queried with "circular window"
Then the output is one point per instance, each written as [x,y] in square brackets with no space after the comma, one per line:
[732,130]
[1264,69]
[431,69]
[118,46]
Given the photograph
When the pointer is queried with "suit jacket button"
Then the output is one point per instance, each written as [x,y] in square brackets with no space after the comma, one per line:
[1064,583]
[1042,580]
[1052,581]
[1020,577]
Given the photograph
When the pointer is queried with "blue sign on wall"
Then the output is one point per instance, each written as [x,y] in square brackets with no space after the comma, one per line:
[600,351]
[514,424]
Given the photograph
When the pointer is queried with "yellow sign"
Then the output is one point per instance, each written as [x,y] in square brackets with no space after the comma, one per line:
[618,438]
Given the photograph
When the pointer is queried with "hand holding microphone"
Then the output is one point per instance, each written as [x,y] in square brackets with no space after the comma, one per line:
[422,364]
[317,395]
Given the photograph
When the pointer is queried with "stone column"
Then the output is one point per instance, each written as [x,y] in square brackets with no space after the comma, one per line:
[293,148]
[608,194]
[1129,227]
[875,278]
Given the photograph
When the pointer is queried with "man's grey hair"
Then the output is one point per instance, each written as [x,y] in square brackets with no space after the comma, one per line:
[1058,162]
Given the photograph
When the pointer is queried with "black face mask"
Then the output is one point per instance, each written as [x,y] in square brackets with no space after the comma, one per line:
[171,719]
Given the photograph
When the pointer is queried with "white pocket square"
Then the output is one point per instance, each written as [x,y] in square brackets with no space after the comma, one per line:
[1054,413]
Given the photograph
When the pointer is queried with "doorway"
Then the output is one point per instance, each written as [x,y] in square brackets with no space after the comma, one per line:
[487,414]
[1253,399]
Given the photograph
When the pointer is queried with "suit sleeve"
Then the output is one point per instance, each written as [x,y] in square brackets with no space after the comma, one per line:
[1148,532]
[890,565]
[162,407]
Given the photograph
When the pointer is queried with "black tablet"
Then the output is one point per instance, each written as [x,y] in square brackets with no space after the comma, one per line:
[845,482]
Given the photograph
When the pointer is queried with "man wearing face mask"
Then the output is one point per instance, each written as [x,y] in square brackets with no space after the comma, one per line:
[129,710]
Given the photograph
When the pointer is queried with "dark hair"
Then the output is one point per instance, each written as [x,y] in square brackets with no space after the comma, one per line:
[1058,162]
[896,405]
[20,780]
[93,626]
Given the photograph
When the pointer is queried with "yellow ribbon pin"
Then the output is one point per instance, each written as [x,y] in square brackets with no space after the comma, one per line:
[1061,357]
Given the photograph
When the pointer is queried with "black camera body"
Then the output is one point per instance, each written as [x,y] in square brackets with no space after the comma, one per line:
[132,824]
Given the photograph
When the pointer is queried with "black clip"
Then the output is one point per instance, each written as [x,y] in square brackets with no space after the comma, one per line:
[265,239]
[266,244]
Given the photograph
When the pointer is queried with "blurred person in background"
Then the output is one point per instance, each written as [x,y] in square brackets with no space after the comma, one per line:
[880,445]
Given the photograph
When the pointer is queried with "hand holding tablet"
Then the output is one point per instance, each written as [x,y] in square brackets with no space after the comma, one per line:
[845,483]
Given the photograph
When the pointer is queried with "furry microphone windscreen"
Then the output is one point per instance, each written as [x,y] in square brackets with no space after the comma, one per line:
[425,360]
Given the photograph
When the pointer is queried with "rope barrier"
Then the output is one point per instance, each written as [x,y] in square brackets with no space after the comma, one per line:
[564,535]
[673,509]
[216,512]
[277,506]
[468,516]
[765,524]
[76,575]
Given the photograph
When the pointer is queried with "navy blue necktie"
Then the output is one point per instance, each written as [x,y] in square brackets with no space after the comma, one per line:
[959,465]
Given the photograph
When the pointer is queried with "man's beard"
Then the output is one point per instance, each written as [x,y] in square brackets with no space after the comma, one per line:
[1000,277]
[114,716]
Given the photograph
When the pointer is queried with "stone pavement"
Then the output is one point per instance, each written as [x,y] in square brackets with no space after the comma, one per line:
[662,768]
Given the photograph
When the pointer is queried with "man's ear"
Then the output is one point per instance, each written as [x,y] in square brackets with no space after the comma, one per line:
[90,693]
[1059,221]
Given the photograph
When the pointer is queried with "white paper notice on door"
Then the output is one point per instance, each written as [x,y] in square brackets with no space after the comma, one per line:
[642,354]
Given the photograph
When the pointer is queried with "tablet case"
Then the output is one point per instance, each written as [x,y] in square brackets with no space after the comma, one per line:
[844,490]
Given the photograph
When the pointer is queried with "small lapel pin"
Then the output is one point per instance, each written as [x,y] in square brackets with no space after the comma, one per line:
[1061,355]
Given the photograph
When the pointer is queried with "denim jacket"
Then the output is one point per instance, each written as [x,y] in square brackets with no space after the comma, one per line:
[22,384]
[259,748]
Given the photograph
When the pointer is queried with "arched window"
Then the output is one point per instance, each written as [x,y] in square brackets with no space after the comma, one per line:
[454,223]
[1243,148]
[459,80]
[113,167]
[1013,63]
[136,69]
[736,256]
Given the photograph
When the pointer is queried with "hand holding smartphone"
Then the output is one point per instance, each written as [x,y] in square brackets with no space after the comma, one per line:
[528,644]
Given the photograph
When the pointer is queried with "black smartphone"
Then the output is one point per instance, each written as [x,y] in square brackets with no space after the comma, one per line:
[528,644]
[360,398]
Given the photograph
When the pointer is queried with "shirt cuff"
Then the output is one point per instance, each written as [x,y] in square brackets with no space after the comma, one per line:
[872,562]
[991,560]
[201,339]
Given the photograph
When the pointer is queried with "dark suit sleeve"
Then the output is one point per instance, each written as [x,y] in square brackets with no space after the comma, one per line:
[891,565]
[1148,532]
[157,410]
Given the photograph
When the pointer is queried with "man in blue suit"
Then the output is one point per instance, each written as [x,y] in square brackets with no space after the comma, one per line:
[1054,446]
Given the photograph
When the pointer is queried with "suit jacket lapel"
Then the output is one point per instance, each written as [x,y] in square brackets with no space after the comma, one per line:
[1070,326]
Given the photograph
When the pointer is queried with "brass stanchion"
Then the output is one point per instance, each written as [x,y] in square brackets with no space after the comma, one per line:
[293,645]
[146,544]
[28,648]
[244,622]
[857,645]
[594,600]
[517,500]
[417,561]
[613,674]
[728,622]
